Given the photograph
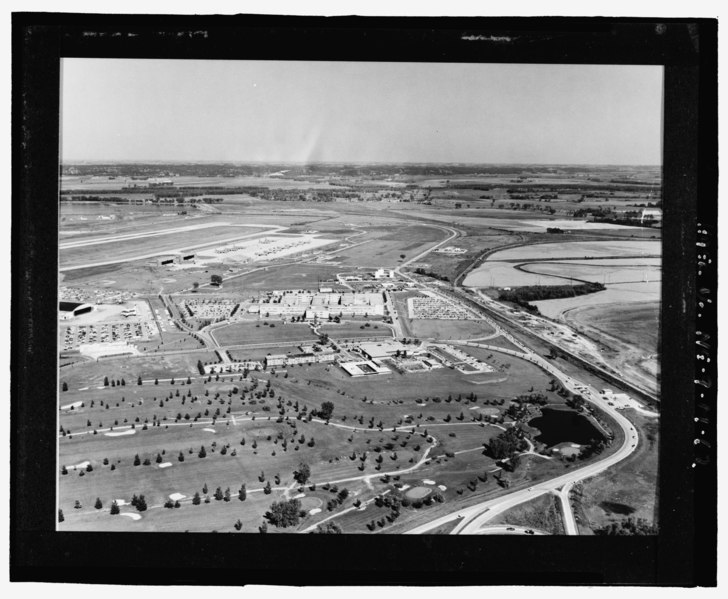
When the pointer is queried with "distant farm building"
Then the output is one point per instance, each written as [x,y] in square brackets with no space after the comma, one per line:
[68,310]
[451,250]
[651,214]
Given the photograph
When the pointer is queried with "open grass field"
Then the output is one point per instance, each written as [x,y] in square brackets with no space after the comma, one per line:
[243,333]
[627,490]
[542,513]
[616,294]
[635,323]
[591,249]
[355,330]
[294,276]
[449,329]
[603,272]
[91,374]
[384,248]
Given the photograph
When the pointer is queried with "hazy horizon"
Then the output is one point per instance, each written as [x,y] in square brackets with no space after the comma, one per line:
[366,162]
[149,110]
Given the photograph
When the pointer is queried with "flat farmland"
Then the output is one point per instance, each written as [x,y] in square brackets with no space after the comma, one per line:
[635,323]
[249,333]
[598,273]
[615,294]
[580,249]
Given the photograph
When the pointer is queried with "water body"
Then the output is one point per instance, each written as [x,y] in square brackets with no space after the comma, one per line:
[564,426]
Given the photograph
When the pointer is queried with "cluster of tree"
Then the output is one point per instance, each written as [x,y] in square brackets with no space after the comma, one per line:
[530,293]
[138,502]
[429,273]
[506,443]
[554,230]
[327,528]
[630,526]
[326,411]
[283,514]
[594,447]
[534,398]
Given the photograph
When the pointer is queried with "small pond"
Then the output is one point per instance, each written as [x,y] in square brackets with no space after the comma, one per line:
[562,426]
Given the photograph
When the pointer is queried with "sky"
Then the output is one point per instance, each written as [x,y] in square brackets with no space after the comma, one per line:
[274,111]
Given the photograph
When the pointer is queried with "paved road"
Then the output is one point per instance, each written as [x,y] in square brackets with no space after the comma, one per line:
[181,249]
[474,517]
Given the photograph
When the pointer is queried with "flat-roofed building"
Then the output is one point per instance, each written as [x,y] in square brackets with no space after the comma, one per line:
[386,349]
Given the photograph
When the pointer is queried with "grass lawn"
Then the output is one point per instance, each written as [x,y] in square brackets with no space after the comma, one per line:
[243,333]
[384,248]
[629,489]
[353,330]
[294,276]
[91,374]
[543,513]
[449,329]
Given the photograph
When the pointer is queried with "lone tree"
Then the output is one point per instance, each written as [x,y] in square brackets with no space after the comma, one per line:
[61,518]
[106,381]
[196,498]
[303,473]
[283,514]
[98,505]
[327,409]
[267,489]
[64,387]
[242,492]
[114,508]
[139,380]
[216,280]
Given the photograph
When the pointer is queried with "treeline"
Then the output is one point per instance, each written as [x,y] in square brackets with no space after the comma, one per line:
[523,295]
[429,273]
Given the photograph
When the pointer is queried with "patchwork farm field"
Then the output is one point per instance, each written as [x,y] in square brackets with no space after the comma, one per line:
[635,323]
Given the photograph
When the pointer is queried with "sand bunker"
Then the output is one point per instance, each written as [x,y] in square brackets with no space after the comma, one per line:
[79,466]
[130,431]
[177,496]
[404,487]
[75,404]
[428,482]
[316,510]
[442,487]
[83,389]
[209,430]
[300,496]
[132,516]
[165,464]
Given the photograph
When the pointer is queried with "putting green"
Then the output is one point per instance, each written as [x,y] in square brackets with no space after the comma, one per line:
[418,493]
